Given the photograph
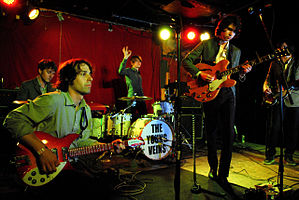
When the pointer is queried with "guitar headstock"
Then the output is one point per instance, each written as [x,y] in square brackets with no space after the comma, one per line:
[280,52]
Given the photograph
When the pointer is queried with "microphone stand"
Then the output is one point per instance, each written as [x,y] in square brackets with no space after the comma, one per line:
[177,177]
[196,187]
[282,82]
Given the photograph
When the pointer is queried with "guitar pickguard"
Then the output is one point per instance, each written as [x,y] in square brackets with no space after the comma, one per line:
[214,85]
[34,178]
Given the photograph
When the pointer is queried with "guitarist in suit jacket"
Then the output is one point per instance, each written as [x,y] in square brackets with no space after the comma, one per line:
[271,87]
[41,84]
[220,112]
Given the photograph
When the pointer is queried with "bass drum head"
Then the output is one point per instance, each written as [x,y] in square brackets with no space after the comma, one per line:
[157,135]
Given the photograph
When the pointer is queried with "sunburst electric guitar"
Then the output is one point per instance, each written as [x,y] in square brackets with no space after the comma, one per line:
[28,166]
[203,91]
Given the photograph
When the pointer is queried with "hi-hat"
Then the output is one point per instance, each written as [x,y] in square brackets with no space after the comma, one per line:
[137,98]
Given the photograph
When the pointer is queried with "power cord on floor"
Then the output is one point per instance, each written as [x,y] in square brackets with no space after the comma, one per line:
[130,186]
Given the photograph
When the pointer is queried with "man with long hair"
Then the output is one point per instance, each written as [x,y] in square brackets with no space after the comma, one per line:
[219,112]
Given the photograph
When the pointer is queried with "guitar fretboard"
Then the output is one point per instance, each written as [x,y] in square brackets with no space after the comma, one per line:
[278,53]
[90,149]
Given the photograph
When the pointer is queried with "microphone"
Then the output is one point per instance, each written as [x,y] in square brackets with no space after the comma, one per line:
[258,10]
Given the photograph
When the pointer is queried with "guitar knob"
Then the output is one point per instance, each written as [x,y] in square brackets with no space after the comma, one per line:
[42,180]
[33,181]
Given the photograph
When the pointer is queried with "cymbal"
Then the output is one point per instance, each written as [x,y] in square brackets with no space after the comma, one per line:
[137,98]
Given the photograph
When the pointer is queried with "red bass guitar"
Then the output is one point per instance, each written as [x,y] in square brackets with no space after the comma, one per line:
[28,167]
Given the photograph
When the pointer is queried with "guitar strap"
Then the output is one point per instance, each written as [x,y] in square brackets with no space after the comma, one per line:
[83,121]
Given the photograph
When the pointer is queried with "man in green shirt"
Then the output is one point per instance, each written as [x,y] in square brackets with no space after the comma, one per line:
[57,113]
[133,81]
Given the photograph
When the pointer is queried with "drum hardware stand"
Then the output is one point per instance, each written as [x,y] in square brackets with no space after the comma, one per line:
[185,141]
[122,119]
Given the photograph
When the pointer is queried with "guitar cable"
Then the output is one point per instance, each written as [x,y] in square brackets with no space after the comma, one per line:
[130,186]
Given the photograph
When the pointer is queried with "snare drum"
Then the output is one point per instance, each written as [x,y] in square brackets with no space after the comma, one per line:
[162,108]
[157,135]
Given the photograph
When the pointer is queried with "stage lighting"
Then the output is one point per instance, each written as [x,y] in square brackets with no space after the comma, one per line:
[165,33]
[8,2]
[204,36]
[191,35]
[33,13]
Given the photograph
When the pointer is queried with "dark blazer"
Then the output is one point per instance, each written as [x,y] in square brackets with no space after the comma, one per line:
[31,89]
[207,51]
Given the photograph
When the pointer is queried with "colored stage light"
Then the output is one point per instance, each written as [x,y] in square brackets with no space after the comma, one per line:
[165,34]
[191,35]
[9,2]
[204,36]
[33,13]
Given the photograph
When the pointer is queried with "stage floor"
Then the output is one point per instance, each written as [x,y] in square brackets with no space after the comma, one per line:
[144,179]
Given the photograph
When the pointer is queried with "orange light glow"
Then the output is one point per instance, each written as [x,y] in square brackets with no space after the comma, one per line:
[8,2]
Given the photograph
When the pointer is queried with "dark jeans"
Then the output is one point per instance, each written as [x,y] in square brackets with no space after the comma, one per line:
[219,117]
[274,135]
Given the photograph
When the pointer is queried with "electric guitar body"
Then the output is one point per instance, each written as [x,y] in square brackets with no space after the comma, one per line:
[204,91]
[27,164]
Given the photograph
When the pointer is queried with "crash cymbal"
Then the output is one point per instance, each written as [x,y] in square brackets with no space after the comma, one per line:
[137,98]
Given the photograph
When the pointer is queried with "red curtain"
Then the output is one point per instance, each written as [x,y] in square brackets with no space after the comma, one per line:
[22,46]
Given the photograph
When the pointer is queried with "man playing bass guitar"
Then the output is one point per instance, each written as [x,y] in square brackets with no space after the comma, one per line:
[289,66]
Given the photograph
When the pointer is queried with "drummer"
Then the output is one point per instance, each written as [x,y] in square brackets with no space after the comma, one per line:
[133,81]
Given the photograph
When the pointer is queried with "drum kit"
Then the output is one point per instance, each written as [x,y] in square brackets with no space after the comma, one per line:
[157,129]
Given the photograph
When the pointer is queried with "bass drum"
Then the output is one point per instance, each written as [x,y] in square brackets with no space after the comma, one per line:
[157,135]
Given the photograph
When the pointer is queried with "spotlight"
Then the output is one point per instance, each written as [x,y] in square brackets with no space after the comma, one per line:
[204,36]
[8,2]
[33,13]
[191,35]
[165,33]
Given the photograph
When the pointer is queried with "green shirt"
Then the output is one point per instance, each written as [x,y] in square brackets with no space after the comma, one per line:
[54,113]
[133,79]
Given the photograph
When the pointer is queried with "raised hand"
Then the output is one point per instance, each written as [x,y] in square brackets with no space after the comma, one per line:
[127,53]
